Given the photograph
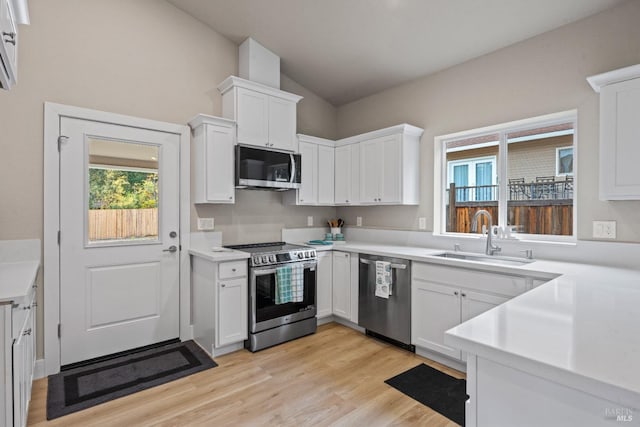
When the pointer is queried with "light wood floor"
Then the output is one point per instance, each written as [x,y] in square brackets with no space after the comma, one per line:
[335,377]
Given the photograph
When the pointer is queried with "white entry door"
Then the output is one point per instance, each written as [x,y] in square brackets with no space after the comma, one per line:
[119,242]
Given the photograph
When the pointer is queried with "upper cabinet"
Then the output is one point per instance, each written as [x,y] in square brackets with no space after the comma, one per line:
[212,151]
[347,175]
[317,186]
[265,117]
[619,132]
[389,166]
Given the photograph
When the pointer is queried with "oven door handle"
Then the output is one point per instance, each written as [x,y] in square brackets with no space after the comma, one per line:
[264,272]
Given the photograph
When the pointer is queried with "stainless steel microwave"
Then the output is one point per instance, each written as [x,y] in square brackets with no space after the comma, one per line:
[258,168]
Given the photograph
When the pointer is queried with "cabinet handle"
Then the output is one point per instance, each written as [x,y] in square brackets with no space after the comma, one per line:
[11,39]
[28,307]
[455,293]
[35,304]
[35,286]
[27,332]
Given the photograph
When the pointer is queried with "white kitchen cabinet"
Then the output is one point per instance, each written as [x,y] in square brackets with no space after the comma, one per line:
[619,133]
[444,297]
[220,304]
[8,45]
[17,331]
[212,151]
[347,174]
[265,117]
[342,284]
[324,284]
[317,173]
[389,165]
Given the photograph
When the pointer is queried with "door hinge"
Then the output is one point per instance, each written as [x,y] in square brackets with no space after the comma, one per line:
[61,139]
[58,237]
[59,330]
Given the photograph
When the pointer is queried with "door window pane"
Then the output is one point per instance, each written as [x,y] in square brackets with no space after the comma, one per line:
[123,195]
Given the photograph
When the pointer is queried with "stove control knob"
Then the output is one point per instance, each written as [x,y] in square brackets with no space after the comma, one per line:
[265,259]
[300,255]
[256,260]
[272,258]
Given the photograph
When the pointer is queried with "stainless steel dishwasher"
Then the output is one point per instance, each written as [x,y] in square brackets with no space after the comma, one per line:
[388,319]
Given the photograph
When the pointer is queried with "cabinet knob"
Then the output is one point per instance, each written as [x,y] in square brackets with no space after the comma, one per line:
[346,201]
[233,269]
[463,294]
[455,293]
[230,197]
[223,285]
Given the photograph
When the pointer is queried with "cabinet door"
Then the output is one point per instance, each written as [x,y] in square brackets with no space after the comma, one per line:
[473,304]
[355,173]
[325,175]
[220,180]
[619,136]
[232,311]
[308,192]
[391,185]
[324,284]
[19,380]
[343,175]
[434,309]
[282,124]
[252,117]
[342,284]
[370,171]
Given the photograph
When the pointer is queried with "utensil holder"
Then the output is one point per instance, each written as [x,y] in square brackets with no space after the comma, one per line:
[336,230]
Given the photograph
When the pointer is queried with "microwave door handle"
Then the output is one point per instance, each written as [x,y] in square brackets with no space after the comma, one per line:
[293,168]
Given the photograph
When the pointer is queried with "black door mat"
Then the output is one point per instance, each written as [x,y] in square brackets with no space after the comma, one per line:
[85,386]
[435,389]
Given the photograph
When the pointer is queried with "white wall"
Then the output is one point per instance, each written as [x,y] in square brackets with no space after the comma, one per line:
[542,75]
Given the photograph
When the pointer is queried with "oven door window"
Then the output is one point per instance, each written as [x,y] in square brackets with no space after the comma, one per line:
[266,307]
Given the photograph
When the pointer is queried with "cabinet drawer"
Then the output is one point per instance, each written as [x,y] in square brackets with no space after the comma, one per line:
[503,284]
[232,269]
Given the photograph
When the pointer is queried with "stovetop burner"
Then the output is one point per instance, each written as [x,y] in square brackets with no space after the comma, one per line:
[273,253]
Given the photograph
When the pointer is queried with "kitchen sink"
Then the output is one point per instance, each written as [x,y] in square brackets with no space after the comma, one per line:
[488,259]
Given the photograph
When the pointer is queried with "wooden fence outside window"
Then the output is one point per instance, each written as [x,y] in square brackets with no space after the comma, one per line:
[122,224]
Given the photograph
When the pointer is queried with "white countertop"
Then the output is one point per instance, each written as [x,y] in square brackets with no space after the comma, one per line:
[219,255]
[579,329]
[19,264]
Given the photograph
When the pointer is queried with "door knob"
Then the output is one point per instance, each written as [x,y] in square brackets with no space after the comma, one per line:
[172,249]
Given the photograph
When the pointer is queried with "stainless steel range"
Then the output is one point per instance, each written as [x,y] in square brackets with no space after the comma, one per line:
[272,318]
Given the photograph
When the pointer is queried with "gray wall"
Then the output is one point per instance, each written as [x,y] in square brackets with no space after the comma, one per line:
[542,75]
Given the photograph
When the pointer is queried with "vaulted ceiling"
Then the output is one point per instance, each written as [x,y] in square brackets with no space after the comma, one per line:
[344,50]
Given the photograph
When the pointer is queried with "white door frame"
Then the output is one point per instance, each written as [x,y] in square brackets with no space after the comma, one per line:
[52,114]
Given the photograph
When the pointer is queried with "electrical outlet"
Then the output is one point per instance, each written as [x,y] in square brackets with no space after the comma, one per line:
[422,223]
[604,229]
[205,224]
[359,221]
[309,221]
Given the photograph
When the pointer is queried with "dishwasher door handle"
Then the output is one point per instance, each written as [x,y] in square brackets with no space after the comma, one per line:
[397,266]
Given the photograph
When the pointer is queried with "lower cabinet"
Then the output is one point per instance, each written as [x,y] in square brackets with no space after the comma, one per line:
[342,284]
[444,297]
[220,303]
[324,285]
[18,359]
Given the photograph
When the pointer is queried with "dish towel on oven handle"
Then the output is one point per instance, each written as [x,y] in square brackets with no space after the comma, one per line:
[284,288]
[384,279]
[297,282]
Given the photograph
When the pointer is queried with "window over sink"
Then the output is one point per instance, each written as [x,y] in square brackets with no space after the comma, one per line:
[522,172]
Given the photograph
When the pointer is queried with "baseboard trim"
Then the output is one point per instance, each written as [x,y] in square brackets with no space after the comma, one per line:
[348,324]
[455,364]
[38,369]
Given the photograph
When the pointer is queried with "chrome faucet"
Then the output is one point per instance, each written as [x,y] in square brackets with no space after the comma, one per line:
[491,248]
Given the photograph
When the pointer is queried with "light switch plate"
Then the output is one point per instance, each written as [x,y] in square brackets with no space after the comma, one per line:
[604,229]
[309,221]
[422,223]
[205,224]
[359,221]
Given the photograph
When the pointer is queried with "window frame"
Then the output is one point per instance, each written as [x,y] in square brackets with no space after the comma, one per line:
[558,149]
[503,129]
